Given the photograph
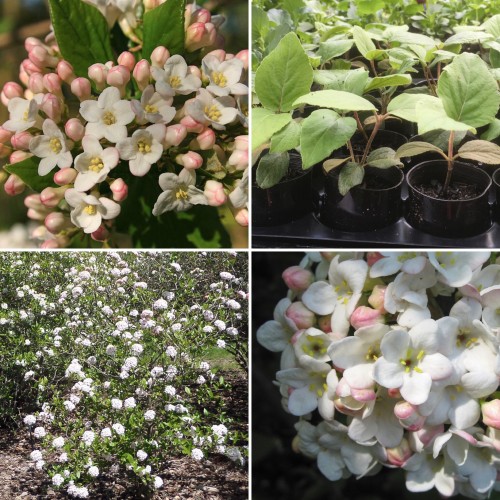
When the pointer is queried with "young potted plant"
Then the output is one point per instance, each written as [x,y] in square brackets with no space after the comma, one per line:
[450,198]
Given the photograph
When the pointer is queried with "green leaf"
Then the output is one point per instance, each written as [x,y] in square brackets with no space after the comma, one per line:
[271,169]
[431,115]
[287,138]
[351,80]
[164,25]
[265,124]
[492,132]
[362,40]
[383,158]
[492,26]
[260,23]
[468,91]
[483,151]
[333,48]
[82,34]
[415,148]
[322,133]
[351,175]
[27,171]
[408,38]
[284,75]
[333,163]
[336,99]
[468,37]
[367,7]
[387,81]
[405,105]
[495,58]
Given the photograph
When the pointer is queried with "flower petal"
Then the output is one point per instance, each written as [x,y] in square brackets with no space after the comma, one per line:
[416,387]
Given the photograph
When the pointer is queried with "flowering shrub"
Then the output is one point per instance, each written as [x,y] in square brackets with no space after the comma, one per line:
[105,357]
[391,359]
[128,116]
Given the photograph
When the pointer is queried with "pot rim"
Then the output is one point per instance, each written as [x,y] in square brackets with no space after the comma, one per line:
[333,173]
[496,181]
[443,162]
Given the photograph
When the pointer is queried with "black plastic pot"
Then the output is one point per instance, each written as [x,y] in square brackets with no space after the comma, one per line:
[448,218]
[496,187]
[287,201]
[363,208]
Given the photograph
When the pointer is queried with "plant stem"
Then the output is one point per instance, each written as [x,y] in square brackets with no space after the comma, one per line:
[360,125]
[351,152]
[450,163]
[374,69]
[378,122]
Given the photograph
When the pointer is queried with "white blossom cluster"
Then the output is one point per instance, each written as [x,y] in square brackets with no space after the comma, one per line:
[392,359]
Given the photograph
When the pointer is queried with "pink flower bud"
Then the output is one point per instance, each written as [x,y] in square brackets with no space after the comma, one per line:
[219,54]
[14,185]
[74,129]
[32,42]
[65,176]
[238,159]
[206,139]
[21,140]
[297,278]
[101,234]
[118,76]
[151,4]
[51,106]
[192,125]
[159,56]
[214,191]
[33,201]
[408,416]
[127,59]
[363,395]
[194,70]
[190,160]
[424,437]
[65,71]
[50,197]
[365,316]
[23,76]
[196,37]
[98,73]
[399,455]
[50,244]
[142,74]
[175,134]
[241,217]
[376,299]
[52,83]
[325,323]
[37,214]
[18,156]
[244,57]
[12,89]
[35,83]
[40,56]
[393,393]
[119,189]
[31,67]
[491,413]
[56,222]
[80,87]
[241,143]
[372,257]
[301,315]
[201,16]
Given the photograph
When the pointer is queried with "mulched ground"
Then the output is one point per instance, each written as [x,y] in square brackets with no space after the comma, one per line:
[215,478]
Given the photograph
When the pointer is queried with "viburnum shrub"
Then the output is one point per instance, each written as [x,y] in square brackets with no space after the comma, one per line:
[104,356]
[392,359]
[129,113]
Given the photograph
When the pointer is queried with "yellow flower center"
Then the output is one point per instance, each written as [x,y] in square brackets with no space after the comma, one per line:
[90,210]
[213,113]
[109,118]
[315,346]
[26,115]
[143,147]
[412,361]
[407,256]
[96,164]
[373,353]
[55,145]
[175,82]
[181,194]
[219,79]
[149,108]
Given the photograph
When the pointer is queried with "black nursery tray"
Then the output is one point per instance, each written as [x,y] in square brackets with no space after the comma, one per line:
[309,232]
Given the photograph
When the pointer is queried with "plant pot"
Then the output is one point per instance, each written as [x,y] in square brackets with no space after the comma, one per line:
[287,201]
[443,217]
[363,208]
[496,187]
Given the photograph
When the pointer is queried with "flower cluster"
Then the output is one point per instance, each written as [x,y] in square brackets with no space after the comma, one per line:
[116,376]
[392,359]
[180,128]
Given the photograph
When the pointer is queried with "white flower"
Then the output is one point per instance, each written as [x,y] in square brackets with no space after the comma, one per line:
[393,262]
[197,454]
[456,268]
[217,112]
[221,344]
[119,429]
[58,442]
[108,116]
[111,350]
[63,458]
[170,390]
[52,147]
[93,471]
[94,164]
[39,432]
[175,78]
[88,211]
[201,379]
[153,108]
[88,437]
[224,76]
[137,349]
[141,455]
[106,432]
[57,479]
[36,455]
[116,404]
[143,149]
[129,403]
[23,115]
[29,420]
[160,304]
[158,482]
[149,415]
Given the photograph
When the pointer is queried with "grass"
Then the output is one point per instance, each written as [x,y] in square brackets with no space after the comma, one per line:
[220,359]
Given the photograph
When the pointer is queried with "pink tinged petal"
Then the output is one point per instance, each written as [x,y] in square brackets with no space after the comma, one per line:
[360,376]
[385,267]
[108,97]
[46,165]
[437,366]
[347,352]
[480,384]
[425,336]
[444,483]
[330,464]
[91,111]
[273,336]
[91,146]
[416,387]
[302,401]
[387,374]
[320,298]
[394,345]
[115,133]
[362,430]
[139,166]
[108,209]
[363,395]
[110,157]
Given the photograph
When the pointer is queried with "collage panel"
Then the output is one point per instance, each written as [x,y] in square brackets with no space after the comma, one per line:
[368,128]
[124,124]
[124,375]
[375,375]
